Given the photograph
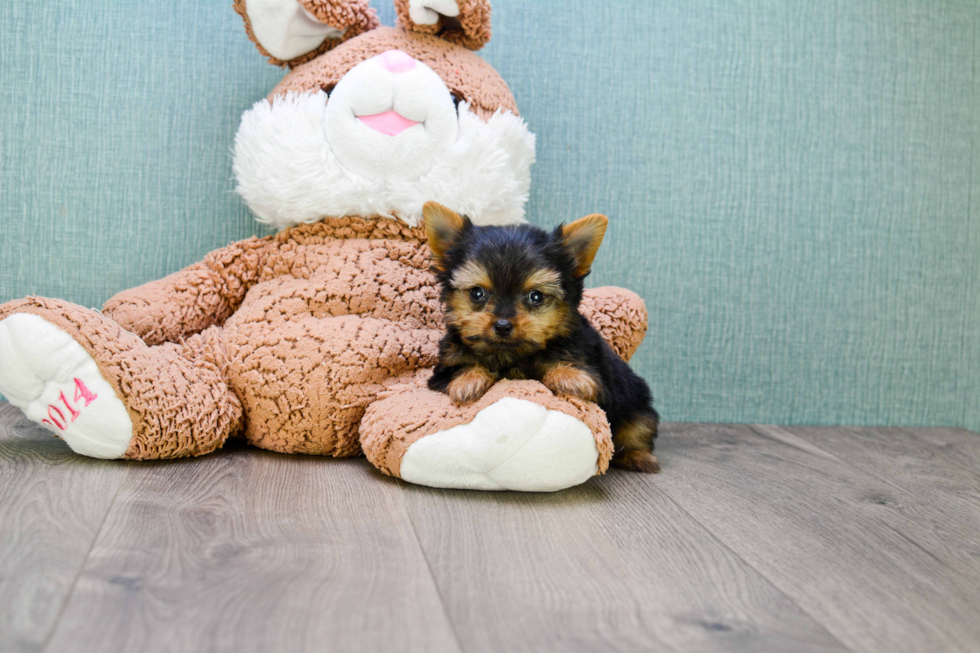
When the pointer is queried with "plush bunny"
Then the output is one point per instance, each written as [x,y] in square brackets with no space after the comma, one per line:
[318,339]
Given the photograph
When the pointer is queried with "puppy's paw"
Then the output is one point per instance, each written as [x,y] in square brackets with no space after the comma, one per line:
[635,460]
[470,385]
[570,380]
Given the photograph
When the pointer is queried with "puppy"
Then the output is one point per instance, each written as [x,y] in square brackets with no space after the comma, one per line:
[512,296]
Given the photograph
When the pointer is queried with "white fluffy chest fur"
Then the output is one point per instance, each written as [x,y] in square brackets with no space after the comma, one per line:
[288,173]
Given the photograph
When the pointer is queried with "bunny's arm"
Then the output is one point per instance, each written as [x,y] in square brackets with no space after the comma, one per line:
[464,22]
[199,296]
[619,315]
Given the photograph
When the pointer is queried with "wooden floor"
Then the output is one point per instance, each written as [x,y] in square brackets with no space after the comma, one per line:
[754,538]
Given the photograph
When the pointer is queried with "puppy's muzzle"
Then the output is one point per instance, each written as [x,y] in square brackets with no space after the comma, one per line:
[503,328]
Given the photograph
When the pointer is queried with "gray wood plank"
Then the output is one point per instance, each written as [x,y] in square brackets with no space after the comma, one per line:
[612,565]
[938,479]
[52,503]
[913,454]
[832,537]
[246,550]
[945,436]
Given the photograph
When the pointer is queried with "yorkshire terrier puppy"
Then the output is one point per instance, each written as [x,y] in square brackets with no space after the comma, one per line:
[512,296]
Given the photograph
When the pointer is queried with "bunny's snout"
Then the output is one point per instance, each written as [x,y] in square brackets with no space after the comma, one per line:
[396,61]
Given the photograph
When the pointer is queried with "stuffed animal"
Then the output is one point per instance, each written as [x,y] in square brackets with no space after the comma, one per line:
[319,339]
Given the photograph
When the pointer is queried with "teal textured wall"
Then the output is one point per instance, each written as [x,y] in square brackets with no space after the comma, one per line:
[794,187]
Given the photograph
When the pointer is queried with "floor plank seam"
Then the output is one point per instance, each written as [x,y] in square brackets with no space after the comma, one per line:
[900,489]
[81,569]
[836,459]
[428,567]
[766,578]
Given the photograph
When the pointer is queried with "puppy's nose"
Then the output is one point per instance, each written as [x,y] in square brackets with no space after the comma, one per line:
[397,61]
[503,327]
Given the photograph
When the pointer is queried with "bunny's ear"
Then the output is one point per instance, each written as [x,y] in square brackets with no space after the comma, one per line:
[464,22]
[291,32]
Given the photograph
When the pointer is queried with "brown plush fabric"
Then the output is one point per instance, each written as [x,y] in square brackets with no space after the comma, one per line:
[336,309]
[193,299]
[464,72]
[619,315]
[470,29]
[353,16]
[177,398]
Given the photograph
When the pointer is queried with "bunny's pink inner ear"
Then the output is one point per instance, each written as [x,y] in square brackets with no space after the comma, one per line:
[291,32]
[463,22]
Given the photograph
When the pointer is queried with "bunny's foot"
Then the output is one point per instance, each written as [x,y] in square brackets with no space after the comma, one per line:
[104,392]
[58,385]
[518,436]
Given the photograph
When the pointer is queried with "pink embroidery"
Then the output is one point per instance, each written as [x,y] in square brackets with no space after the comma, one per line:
[59,423]
[81,392]
[74,413]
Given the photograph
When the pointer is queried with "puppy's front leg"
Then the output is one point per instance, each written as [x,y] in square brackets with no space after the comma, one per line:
[565,378]
[470,384]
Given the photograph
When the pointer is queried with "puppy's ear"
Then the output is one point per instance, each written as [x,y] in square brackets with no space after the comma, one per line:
[442,227]
[582,239]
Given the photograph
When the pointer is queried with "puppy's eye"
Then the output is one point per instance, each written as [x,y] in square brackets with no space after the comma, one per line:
[535,298]
[456,101]
[328,89]
[478,294]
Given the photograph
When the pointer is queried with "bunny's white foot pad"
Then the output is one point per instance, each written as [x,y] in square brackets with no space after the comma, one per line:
[513,444]
[57,384]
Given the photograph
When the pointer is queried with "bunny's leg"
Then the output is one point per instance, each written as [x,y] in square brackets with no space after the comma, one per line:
[107,394]
[518,436]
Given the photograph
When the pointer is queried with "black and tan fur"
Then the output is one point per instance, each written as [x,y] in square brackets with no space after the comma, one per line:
[512,295]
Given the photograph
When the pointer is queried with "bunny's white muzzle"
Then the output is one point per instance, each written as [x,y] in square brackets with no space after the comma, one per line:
[388,139]
[391,117]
